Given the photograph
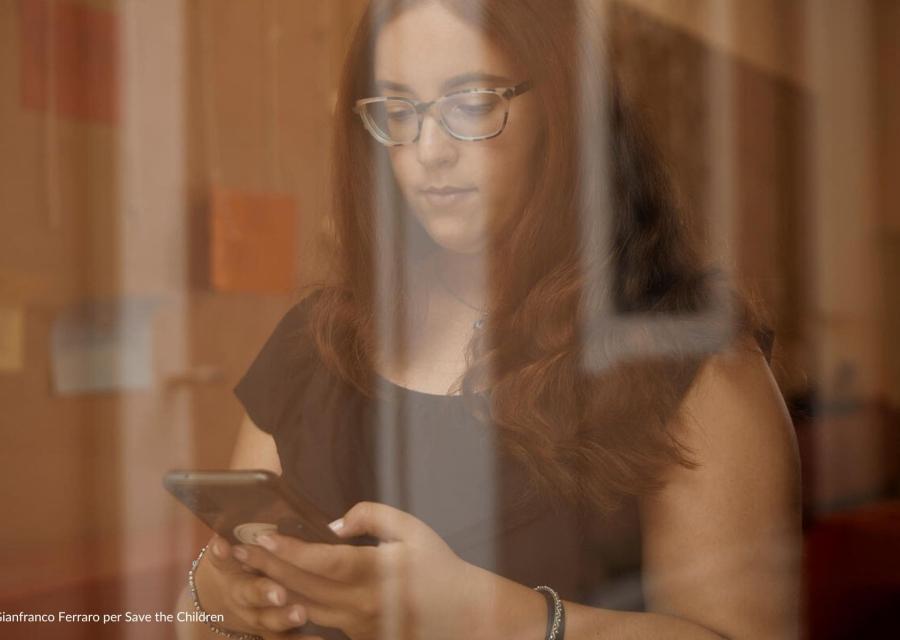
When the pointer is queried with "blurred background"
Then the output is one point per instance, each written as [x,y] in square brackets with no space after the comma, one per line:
[163,193]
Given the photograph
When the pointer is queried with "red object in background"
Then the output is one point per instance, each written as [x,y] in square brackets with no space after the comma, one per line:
[253,242]
[853,574]
[69,59]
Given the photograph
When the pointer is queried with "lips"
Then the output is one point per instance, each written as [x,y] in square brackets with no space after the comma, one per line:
[443,191]
[446,196]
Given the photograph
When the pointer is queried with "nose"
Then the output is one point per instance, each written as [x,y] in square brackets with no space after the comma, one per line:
[435,146]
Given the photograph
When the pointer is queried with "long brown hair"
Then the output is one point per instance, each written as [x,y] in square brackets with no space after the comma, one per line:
[580,375]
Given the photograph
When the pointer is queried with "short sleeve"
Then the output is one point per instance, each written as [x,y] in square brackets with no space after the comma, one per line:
[269,383]
[765,337]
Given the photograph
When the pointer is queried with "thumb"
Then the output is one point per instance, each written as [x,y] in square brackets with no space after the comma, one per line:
[219,548]
[373,518]
[219,555]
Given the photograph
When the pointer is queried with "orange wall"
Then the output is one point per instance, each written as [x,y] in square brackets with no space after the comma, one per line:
[90,210]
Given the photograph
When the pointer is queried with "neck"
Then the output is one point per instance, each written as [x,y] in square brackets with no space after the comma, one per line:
[465,276]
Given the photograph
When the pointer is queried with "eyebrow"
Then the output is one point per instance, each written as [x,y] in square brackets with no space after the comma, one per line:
[455,81]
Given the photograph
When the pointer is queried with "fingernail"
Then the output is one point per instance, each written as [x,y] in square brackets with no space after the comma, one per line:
[337,525]
[275,597]
[240,553]
[266,542]
[218,550]
[296,615]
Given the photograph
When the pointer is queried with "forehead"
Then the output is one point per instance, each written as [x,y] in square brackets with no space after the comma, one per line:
[426,45]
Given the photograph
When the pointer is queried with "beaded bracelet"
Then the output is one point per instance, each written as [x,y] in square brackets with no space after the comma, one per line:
[235,635]
[556,613]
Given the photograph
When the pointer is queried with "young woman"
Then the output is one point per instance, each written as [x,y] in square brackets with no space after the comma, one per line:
[511,277]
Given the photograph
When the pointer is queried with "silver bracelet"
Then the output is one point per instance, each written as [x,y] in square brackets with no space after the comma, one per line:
[235,635]
[556,613]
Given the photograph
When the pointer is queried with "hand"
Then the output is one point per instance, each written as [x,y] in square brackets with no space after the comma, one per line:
[249,602]
[412,586]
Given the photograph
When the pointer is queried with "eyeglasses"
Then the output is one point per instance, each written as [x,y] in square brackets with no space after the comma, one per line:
[471,114]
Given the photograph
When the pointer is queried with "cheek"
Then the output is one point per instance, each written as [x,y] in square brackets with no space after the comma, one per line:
[402,166]
[507,172]
[523,152]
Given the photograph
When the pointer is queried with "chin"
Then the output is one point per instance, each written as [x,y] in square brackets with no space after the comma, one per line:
[464,244]
[459,234]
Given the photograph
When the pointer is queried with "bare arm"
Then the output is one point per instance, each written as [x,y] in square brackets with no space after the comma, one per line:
[254,449]
[722,543]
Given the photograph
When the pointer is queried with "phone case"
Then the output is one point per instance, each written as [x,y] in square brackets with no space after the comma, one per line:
[240,505]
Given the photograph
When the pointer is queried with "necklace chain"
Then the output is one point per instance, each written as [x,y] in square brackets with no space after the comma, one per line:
[479,323]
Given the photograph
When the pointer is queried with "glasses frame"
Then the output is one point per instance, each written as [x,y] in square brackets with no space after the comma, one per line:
[507,93]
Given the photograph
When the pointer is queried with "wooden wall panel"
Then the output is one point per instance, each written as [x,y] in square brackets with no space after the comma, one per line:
[673,80]
[261,123]
[57,193]
[887,52]
[768,35]
[262,80]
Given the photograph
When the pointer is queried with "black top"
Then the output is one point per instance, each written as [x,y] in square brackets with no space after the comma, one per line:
[425,454]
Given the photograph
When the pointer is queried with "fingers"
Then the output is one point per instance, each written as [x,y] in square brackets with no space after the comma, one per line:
[278,618]
[293,577]
[326,601]
[258,601]
[344,563]
[383,521]
[258,592]
[220,555]
[263,604]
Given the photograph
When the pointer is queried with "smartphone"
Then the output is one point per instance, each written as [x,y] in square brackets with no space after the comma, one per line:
[240,505]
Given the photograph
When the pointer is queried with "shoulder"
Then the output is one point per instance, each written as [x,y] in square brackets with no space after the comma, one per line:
[734,400]
[734,422]
[737,513]
[285,355]
[298,316]
[292,336]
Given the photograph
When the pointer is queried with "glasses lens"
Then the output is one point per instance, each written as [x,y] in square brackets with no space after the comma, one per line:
[474,114]
[395,120]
